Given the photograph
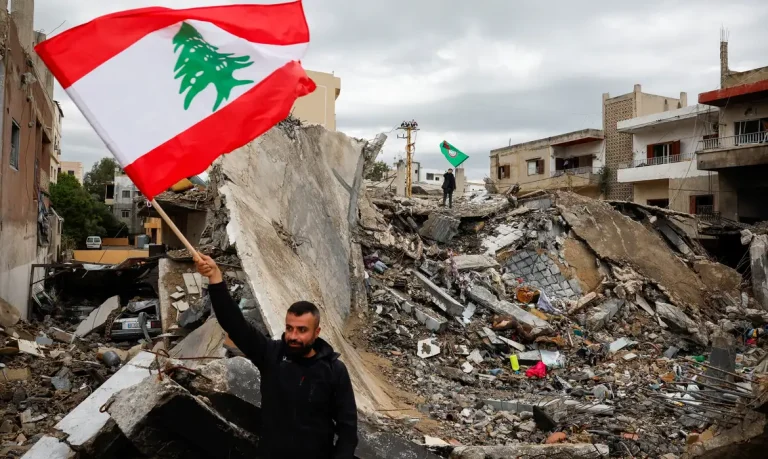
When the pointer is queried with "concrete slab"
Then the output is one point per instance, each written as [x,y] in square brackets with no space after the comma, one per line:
[439,297]
[474,262]
[85,421]
[49,448]
[290,200]
[531,451]
[97,317]
[440,227]
[205,341]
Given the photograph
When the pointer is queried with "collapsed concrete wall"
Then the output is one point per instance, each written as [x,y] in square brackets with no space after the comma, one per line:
[291,197]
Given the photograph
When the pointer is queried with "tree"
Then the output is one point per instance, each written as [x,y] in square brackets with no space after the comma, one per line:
[377,172]
[83,215]
[102,172]
[201,64]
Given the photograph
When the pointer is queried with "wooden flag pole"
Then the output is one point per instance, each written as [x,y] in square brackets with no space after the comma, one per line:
[175,230]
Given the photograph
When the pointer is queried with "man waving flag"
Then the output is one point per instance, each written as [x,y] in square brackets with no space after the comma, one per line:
[168,91]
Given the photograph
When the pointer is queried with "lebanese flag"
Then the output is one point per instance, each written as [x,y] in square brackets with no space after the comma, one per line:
[169,91]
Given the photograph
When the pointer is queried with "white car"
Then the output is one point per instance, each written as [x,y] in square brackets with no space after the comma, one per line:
[93,242]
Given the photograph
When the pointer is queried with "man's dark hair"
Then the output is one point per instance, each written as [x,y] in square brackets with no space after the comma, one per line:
[300,308]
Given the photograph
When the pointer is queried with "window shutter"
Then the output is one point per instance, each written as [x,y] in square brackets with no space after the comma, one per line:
[675,148]
[540,166]
[499,173]
[649,151]
[692,207]
[559,163]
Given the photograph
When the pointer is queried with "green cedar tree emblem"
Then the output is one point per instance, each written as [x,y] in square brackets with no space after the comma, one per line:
[201,64]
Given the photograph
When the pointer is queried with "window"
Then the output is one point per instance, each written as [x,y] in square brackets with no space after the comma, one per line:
[663,203]
[15,139]
[70,172]
[751,131]
[535,166]
[430,176]
[137,193]
[125,213]
[126,194]
[504,172]
[702,205]
[663,153]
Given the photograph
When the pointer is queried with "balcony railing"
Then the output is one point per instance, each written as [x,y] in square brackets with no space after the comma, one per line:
[659,160]
[733,141]
[707,211]
[589,170]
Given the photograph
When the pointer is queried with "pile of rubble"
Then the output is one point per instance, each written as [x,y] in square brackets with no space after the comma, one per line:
[559,319]
[539,325]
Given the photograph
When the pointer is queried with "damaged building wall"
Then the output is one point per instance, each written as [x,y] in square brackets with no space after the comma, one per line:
[25,124]
[291,196]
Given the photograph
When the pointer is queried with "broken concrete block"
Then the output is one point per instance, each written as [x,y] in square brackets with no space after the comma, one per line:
[192,283]
[440,228]
[427,348]
[61,335]
[375,444]
[207,340]
[49,448]
[484,296]
[474,262]
[758,254]
[9,315]
[17,374]
[532,451]
[674,317]
[97,317]
[430,319]
[603,314]
[164,420]
[178,295]
[439,297]
[84,424]
[180,306]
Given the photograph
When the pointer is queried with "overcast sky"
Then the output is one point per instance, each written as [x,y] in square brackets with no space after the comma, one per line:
[481,74]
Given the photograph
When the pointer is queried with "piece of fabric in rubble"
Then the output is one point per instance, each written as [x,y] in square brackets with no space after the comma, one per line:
[537,371]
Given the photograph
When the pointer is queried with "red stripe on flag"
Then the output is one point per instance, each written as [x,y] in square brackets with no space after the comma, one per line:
[247,117]
[75,53]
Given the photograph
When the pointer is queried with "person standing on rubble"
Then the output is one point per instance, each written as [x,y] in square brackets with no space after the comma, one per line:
[449,185]
[306,393]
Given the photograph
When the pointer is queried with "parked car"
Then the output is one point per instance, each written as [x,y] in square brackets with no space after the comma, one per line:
[128,323]
[93,242]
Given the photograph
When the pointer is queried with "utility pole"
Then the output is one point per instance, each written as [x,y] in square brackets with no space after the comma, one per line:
[410,148]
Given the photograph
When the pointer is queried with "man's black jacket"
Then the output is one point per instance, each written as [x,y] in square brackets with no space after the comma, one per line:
[449,182]
[304,401]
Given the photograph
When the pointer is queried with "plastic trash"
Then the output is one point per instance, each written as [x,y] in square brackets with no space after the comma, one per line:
[537,371]
[513,361]
[544,304]
[379,267]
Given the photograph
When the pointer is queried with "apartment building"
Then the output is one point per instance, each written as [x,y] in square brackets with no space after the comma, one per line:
[72,168]
[119,197]
[30,228]
[739,150]
[319,107]
[619,145]
[663,170]
[571,161]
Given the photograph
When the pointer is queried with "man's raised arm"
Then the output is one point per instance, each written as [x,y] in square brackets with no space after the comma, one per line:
[246,337]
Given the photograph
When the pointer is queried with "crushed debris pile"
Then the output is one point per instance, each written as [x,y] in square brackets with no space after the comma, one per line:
[509,326]
[602,322]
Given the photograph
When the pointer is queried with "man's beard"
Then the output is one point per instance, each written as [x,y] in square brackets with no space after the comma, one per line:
[298,351]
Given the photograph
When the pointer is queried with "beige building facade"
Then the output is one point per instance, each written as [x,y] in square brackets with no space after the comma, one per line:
[618,145]
[663,170]
[571,161]
[72,168]
[319,107]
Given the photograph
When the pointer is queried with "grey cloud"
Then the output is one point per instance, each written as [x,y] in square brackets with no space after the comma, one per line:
[556,59]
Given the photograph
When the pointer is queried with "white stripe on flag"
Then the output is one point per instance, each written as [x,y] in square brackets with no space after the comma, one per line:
[133,100]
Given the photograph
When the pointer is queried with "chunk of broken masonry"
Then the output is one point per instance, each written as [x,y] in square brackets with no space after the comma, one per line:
[474,262]
[484,296]
[164,420]
[603,314]
[439,297]
[440,228]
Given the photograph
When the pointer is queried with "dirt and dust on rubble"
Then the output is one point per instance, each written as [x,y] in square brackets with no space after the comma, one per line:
[538,325]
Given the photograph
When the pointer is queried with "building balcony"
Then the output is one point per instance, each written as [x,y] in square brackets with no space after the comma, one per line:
[733,151]
[658,168]
[587,172]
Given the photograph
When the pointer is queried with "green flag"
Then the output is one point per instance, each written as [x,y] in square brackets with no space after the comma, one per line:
[452,154]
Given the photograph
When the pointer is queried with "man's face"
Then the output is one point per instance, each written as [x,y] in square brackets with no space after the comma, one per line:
[300,333]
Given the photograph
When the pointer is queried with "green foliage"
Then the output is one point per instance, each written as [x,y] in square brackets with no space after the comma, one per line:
[377,172]
[200,64]
[102,172]
[604,183]
[83,215]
